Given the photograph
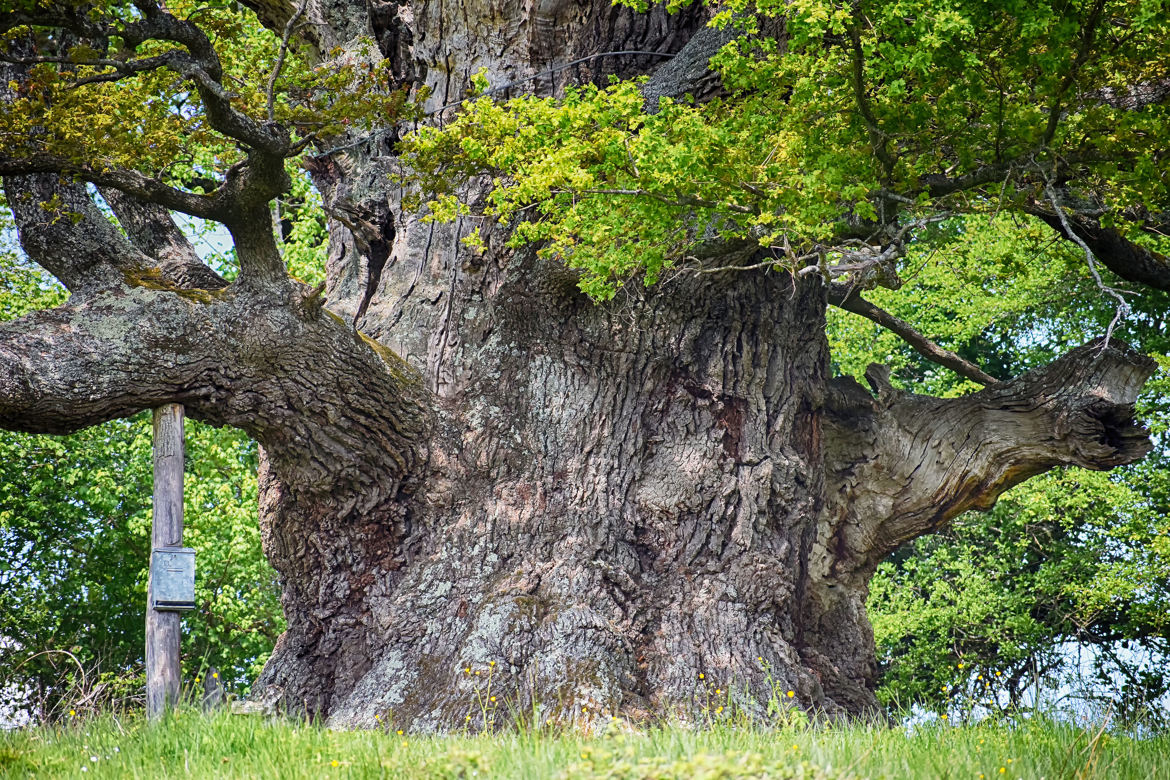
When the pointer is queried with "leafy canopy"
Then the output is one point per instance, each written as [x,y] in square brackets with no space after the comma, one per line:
[99,100]
[857,118]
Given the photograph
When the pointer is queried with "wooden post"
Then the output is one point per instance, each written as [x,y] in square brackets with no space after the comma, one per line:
[162,628]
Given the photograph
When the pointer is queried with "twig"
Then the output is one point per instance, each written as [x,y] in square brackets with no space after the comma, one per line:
[765,264]
[1122,305]
[288,28]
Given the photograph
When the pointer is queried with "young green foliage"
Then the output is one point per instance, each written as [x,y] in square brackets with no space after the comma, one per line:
[864,116]
[108,105]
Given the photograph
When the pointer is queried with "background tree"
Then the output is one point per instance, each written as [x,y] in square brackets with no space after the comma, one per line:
[603,508]
[75,529]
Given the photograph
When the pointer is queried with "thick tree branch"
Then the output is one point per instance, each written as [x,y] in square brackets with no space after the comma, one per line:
[231,357]
[248,187]
[688,69]
[1134,97]
[152,230]
[238,203]
[202,67]
[213,206]
[901,465]
[62,230]
[877,139]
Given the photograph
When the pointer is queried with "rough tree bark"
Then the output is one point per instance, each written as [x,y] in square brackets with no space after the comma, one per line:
[600,509]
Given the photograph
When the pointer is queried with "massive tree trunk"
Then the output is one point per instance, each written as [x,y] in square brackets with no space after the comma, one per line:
[641,508]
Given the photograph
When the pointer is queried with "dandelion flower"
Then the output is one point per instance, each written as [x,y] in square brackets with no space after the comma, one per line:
[719,710]
[400,732]
[334,763]
[72,713]
[493,698]
[700,675]
[791,694]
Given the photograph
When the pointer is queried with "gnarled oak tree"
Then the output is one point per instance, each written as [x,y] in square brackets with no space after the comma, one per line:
[471,470]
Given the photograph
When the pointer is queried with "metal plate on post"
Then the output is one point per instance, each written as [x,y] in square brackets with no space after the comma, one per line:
[172,578]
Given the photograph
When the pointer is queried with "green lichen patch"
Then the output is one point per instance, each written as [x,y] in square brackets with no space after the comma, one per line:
[152,278]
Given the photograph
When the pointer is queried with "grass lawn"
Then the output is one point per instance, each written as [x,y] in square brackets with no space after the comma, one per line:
[190,744]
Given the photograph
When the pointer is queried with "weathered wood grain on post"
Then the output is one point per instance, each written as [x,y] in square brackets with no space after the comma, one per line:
[162,628]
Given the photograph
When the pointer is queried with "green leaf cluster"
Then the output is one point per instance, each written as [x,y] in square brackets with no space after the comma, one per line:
[154,122]
[856,102]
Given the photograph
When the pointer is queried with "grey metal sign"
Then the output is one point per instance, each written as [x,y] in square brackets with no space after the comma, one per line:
[172,578]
